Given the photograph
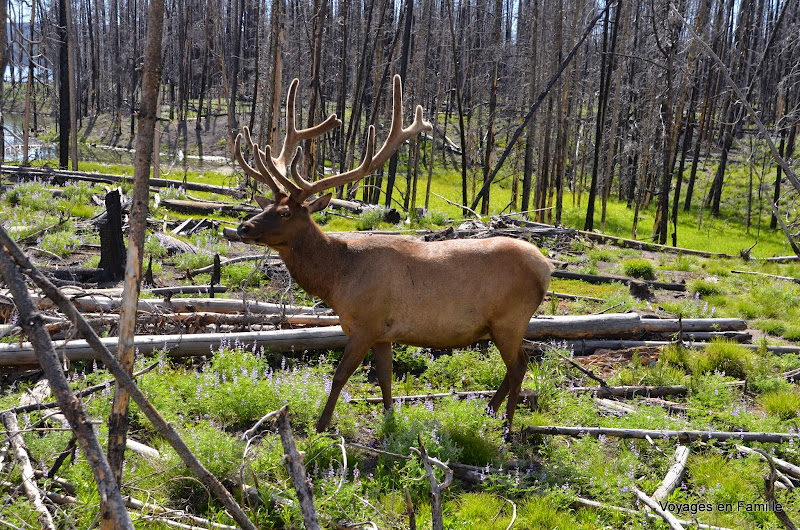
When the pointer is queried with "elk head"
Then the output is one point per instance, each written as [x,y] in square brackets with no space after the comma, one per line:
[290,209]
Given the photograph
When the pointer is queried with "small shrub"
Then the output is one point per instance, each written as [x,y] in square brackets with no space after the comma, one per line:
[792,332]
[639,268]
[783,403]
[370,219]
[725,357]
[153,246]
[411,360]
[451,429]
[676,356]
[704,287]
[60,243]
[683,263]
[770,326]
[661,375]
[601,254]
[239,275]
[438,218]
[193,260]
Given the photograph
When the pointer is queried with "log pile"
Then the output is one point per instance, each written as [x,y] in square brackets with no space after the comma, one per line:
[201,325]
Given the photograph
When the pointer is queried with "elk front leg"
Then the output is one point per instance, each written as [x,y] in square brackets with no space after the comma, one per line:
[382,353]
[515,377]
[499,396]
[354,353]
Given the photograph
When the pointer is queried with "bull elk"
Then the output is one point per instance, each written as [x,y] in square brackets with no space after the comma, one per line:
[386,289]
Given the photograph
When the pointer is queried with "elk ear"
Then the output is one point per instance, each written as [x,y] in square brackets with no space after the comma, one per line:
[263,201]
[319,204]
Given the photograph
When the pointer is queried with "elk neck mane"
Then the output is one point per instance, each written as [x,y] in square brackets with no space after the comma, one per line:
[315,260]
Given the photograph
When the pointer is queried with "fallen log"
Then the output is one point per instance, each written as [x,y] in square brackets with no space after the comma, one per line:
[209,208]
[685,435]
[673,325]
[240,259]
[708,336]
[674,476]
[670,519]
[587,347]
[629,392]
[588,503]
[770,276]
[584,326]
[541,328]
[293,461]
[61,174]
[9,420]
[645,245]
[100,304]
[786,467]
[98,320]
[329,337]
[595,279]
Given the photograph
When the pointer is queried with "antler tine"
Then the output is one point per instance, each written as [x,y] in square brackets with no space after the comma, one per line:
[266,178]
[295,171]
[266,164]
[347,177]
[295,135]
[398,134]
[371,161]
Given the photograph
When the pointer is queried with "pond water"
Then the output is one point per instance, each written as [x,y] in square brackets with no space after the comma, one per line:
[41,150]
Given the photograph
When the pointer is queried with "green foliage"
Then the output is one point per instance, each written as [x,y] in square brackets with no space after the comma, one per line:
[704,287]
[411,360]
[371,219]
[601,254]
[62,243]
[242,275]
[193,260]
[639,268]
[783,403]
[450,430]
[154,247]
[725,357]
[769,325]
[466,370]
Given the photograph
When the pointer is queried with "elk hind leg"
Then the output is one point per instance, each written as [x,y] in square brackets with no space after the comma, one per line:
[510,346]
[354,353]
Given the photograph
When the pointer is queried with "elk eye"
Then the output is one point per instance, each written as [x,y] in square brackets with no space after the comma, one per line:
[285,213]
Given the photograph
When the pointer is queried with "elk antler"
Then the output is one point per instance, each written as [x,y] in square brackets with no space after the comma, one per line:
[273,171]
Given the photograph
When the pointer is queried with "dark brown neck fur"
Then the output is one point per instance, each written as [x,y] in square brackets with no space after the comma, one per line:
[314,261]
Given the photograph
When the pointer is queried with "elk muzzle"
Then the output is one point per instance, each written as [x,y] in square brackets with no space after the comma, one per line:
[244,229]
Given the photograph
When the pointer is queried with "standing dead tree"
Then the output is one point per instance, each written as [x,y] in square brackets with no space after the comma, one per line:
[148,117]
[787,168]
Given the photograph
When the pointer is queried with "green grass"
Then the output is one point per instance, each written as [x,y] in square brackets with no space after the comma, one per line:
[783,403]
[639,268]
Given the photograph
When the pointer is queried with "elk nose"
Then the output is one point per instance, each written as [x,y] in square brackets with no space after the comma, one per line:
[243,229]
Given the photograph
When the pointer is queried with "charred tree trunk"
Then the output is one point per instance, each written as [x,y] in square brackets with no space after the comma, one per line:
[112,244]
[405,51]
[605,68]
[63,87]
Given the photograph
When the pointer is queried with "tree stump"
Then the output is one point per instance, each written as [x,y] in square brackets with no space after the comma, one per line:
[112,244]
